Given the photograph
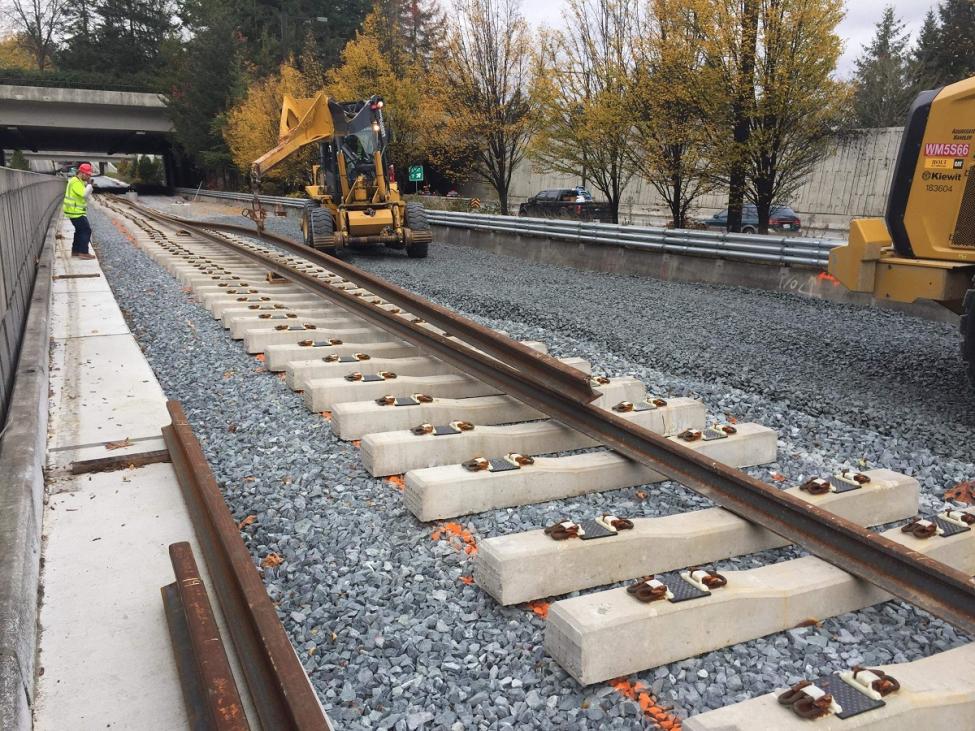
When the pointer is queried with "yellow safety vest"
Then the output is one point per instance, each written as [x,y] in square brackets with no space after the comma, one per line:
[75,205]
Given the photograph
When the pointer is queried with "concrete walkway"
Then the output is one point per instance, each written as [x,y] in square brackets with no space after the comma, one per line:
[105,658]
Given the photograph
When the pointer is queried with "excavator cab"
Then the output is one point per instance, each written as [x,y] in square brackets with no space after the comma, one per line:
[355,201]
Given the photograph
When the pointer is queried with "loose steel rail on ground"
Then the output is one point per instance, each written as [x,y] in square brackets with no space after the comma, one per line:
[781,250]
[906,574]
[283,697]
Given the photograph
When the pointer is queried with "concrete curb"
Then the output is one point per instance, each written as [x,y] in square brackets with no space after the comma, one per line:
[806,282]
[22,454]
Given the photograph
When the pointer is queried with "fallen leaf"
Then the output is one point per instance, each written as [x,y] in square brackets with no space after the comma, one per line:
[641,494]
[731,419]
[810,622]
[638,692]
[232,428]
[272,560]
[397,481]
[963,492]
[246,521]
[122,444]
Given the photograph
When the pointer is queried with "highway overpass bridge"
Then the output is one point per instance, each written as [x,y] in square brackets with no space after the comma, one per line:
[93,122]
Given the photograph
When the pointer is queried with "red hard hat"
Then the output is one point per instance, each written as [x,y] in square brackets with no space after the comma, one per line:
[84,168]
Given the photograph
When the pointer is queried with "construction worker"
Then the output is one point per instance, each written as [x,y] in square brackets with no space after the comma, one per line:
[76,209]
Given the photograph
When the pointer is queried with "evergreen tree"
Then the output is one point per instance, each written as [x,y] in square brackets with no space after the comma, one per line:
[132,34]
[924,62]
[881,77]
[409,31]
[18,161]
[955,59]
[78,51]
[205,83]
[945,50]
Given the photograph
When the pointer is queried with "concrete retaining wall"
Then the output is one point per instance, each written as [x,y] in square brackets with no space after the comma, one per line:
[802,281]
[27,201]
[851,182]
[22,452]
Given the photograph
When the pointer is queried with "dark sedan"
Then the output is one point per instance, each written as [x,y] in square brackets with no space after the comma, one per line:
[782,219]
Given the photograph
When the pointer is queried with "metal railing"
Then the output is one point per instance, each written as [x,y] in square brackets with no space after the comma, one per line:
[27,202]
[784,250]
[243,197]
[790,250]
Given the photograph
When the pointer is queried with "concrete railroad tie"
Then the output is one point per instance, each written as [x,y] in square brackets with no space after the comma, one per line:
[355,419]
[937,692]
[279,357]
[523,566]
[322,394]
[451,490]
[300,372]
[610,633]
[392,453]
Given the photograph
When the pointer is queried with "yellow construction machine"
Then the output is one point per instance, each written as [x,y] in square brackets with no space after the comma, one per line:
[355,200]
[924,247]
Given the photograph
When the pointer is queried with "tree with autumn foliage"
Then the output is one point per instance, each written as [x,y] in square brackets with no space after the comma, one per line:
[588,87]
[799,106]
[781,108]
[382,59]
[252,125]
[14,54]
[486,86]
[672,150]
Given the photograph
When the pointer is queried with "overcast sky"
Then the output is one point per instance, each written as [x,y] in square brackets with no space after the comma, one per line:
[856,29]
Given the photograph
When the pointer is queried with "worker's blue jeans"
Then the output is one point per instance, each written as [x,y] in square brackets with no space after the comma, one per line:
[82,235]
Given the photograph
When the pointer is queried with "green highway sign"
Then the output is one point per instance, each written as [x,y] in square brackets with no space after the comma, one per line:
[416,173]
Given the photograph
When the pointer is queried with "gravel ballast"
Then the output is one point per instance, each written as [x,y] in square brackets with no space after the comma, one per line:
[379,611]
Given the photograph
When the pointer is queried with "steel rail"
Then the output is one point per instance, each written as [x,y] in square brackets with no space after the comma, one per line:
[904,573]
[279,687]
[539,366]
[209,688]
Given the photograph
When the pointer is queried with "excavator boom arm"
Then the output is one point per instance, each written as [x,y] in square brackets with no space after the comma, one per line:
[303,122]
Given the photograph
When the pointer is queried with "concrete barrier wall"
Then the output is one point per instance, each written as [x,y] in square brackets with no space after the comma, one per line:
[27,202]
[22,451]
[851,182]
[802,281]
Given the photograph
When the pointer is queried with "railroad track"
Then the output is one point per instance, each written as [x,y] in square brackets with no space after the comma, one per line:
[459,415]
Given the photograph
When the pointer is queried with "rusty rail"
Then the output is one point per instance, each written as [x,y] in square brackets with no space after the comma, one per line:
[905,573]
[531,362]
[282,695]
[209,689]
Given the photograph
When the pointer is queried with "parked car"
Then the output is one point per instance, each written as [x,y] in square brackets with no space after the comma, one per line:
[574,203]
[782,219]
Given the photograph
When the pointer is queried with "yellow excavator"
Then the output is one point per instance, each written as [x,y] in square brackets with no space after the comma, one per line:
[355,198]
[924,247]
